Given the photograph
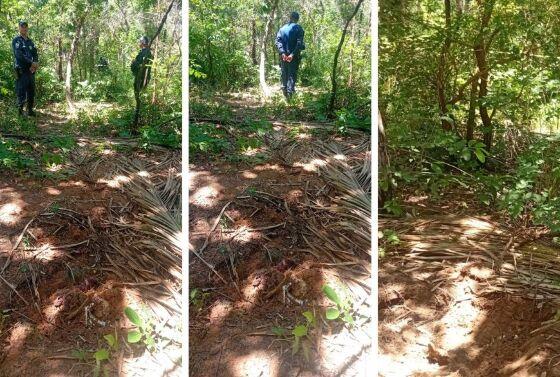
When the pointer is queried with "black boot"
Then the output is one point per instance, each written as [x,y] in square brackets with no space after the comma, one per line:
[30,111]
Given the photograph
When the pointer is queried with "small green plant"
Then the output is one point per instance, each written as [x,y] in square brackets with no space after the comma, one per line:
[100,356]
[144,329]
[3,319]
[299,335]
[341,310]
[197,298]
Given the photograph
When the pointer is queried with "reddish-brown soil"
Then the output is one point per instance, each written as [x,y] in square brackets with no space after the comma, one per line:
[63,299]
[230,320]
[436,320]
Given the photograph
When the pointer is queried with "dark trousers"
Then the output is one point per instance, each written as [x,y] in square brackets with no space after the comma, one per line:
[25,89]
[289,76]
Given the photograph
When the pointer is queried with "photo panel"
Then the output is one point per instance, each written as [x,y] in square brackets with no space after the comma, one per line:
[280,188]
[90,188]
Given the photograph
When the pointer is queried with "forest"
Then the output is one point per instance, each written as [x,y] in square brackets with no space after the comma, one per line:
[90,188]
[279,188]
[468,187]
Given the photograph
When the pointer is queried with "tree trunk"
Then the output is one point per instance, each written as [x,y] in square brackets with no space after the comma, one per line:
[59,63]
[154,78]
[459,4]
[384,163]
[480,52]
[262,69]
[69,61]
[351,66]
[336,55]
[472,110]
[441,76]
[254,42]
[136,92]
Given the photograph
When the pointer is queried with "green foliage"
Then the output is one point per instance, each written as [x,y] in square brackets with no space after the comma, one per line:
[300,335]
[342,309]
[143,333]
[535,187]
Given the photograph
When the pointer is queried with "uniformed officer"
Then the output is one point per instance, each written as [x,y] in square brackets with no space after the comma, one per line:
[26,63]
[289,42]
[141,67]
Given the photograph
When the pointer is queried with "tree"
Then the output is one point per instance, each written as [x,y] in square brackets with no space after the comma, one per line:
[262,70]
[337,54]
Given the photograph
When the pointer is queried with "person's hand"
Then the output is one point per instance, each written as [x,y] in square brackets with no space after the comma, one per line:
[283,57]
[289,58]
[34,67]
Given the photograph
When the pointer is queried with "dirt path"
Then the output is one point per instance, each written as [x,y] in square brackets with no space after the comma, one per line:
[446,318]
[260,222]
[59,297]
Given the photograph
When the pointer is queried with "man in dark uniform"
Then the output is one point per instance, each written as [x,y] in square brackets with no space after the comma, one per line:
[141,67]
[26,62]
[289,42]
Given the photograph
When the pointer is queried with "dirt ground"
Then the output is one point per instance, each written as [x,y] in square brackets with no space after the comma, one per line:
[440,319]
[257,243]
[58,296]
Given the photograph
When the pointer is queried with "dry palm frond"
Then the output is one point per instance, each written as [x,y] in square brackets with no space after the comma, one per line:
[150,247]
[344,234]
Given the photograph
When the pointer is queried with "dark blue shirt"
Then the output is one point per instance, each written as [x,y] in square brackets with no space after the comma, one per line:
[289,39]
[25,52]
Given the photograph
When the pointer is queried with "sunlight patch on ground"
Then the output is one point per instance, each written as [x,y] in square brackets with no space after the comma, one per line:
[52,191]
[9,213]
[219,311]
[17,339]
[116,182]
[264,167]
[474,226]
[72,184]
[311,166]
[256,364]
[47,253]
[303,136]
[206,196]
[462,317]
[344,352]
[248,174]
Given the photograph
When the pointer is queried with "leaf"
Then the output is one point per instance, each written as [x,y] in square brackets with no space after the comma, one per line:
[110,338]
[332,313]
[79,354]
[348,318]
[331,294]
[299,331]
[134,336]
[101,354]
[466,154]
[480,155]
[310,317]
[279,331]
[133,316]
[295,346]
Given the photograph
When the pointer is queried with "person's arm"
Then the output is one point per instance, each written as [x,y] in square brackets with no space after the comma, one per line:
[299,42]
[280,43]
[136,63]
[35,54]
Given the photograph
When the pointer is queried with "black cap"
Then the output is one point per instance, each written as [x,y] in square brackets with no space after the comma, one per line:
[144,40]
[22,23]
[294,16]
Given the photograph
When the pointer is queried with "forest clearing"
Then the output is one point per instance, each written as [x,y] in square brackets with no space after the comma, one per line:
[468,177]
[279,190]
[90,194]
